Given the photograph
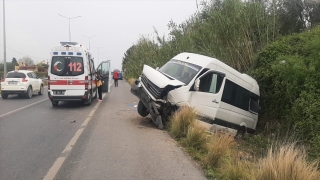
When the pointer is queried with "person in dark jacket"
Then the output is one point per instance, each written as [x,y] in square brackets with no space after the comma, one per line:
[99,85]
[115,77]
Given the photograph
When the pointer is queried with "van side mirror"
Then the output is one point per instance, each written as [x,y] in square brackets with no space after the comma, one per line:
[196,85]
[157,68]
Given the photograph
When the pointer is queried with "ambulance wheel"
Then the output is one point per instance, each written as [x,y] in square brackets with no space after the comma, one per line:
[142,110]
[55,103]
[95,96]
[88,102]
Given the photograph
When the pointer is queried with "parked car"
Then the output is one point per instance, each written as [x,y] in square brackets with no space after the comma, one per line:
[219,94]
[119,73]
[22,82]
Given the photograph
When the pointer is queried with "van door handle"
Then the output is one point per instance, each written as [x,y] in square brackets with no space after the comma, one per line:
[215,101]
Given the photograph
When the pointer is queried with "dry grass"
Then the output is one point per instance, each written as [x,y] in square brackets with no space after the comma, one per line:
[131,81]
[219,155]
[287,162]
[196,137]
[220,146]
[181,121]
[236,169]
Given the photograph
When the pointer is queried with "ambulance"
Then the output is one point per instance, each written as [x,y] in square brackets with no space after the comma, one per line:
[71,74]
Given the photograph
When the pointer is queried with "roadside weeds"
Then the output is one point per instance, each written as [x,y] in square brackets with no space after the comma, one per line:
[221,157]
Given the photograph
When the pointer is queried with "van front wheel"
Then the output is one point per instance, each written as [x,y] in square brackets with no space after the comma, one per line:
[142,110]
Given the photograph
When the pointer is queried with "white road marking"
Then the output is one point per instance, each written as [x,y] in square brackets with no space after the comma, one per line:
[58,163]
[24,107]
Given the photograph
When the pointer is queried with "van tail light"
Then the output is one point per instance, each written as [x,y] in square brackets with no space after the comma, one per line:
[48,82]
[3,80]
[24,80]
[86,83]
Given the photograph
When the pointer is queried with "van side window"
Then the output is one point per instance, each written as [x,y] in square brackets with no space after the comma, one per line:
[211,83]
[236,95]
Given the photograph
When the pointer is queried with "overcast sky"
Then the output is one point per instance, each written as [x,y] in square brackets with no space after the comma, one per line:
[34,27]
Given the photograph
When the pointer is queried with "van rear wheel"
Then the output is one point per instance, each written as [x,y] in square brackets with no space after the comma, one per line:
[142,110]
[241,132]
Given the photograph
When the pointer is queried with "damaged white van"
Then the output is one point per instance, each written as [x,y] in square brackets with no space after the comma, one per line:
[220,94]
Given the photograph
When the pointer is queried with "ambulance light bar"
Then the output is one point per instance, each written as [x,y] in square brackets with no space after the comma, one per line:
[68,43]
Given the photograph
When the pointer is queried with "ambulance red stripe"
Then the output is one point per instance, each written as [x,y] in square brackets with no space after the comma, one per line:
[67,82]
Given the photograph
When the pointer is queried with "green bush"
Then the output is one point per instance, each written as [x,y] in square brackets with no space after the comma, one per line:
[288,74]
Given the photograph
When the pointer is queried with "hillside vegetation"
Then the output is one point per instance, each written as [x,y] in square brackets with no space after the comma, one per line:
[277,42]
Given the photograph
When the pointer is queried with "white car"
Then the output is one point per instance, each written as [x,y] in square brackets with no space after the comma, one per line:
[22,82]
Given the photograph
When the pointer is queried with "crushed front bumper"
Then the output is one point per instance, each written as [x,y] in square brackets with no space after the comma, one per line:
[148,103]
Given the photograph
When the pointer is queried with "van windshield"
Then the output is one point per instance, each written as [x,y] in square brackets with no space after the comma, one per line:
[180,70]
[67,66]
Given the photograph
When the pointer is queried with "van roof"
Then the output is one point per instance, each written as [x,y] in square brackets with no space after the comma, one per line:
[196,59]
[204,61]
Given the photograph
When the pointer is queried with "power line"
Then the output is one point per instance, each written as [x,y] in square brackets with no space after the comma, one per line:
[24,53]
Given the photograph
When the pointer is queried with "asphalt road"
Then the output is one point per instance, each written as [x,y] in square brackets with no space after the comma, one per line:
[116,143]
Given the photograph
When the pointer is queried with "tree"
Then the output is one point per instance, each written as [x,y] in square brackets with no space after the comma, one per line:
[14,61]
[295,16]
[27,60]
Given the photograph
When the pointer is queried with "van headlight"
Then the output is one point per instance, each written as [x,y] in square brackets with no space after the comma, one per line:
[170,98]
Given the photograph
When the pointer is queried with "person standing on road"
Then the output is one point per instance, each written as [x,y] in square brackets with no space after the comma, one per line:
[115,77]
[99,85]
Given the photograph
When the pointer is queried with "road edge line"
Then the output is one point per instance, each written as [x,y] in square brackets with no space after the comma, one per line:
[53,171]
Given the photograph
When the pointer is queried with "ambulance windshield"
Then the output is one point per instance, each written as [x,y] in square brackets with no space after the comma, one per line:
[67,66]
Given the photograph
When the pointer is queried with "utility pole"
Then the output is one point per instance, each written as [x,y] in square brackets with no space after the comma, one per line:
[89,37]
[4,42]
[69,24]
[98,54]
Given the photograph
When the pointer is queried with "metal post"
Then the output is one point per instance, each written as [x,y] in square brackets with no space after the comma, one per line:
[69,25]
[89,37]
[4,42]
[69,32]
[98,54]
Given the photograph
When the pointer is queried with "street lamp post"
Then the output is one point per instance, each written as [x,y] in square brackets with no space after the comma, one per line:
[69,24]
[98,53]
[4,43]
[89,38]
